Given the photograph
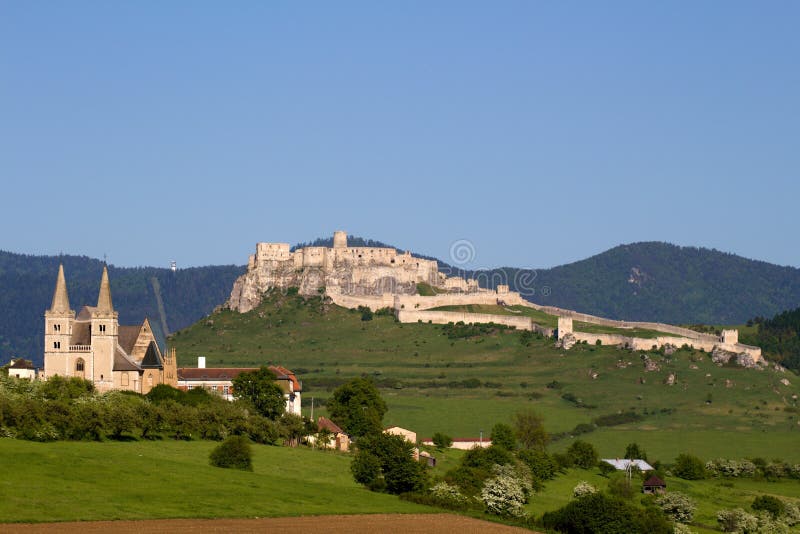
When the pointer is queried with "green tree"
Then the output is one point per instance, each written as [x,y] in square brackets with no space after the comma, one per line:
[583,454]
[357,407]
[529,428]
[259,389]
[503,436]
[769,504]
[441,441]
[689,467]
[400,472]
[634,452]
[600,514]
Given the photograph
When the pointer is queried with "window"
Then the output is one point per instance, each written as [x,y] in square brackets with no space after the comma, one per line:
[102,328]
[56,344]
[57,328]
[226,390]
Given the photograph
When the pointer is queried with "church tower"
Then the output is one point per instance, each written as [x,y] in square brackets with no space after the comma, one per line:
[58,322]
[104,334]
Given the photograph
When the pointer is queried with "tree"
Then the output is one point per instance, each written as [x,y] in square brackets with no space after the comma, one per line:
[689,467]
[442,441]
[634,452]
[529,429]
[259,389]
[769,504]
[541,464]
[505,494]
[601,514]
[233,453]
[582,454]
[395,457]
[357,407]
[503,436]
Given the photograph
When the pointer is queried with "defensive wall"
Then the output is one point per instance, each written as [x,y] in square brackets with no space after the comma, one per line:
[445,317]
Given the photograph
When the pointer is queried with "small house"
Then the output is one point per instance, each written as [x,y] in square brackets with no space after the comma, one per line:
[338,441]
[22,368]
[654,485]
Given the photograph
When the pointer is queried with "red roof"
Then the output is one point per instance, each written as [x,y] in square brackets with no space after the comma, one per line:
[212,373]
[284,373]
[324,422]
[655,481]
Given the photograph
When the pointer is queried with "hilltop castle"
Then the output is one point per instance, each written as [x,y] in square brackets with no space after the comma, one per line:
[341,269]
[93,345]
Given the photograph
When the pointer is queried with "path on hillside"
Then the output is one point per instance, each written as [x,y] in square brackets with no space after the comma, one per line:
[336,524]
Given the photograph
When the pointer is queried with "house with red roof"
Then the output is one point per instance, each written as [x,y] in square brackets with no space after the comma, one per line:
[219,380]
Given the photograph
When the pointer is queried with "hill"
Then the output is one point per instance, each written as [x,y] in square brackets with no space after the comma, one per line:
[462,379]
[641,281]
[27,283]
[664,283]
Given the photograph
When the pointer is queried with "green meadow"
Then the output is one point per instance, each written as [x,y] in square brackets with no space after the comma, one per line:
[76,481]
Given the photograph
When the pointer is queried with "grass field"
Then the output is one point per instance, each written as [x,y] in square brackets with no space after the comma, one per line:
[65,481]
[717,411]
[539,317]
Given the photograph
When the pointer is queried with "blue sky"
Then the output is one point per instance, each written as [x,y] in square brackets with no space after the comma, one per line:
[540,132]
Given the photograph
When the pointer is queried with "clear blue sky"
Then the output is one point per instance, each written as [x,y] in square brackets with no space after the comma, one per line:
[543,132]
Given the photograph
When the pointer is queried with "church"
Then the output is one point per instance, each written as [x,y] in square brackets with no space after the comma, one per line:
[93,345]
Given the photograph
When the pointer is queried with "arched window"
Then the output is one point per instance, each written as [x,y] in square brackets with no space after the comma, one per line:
[80,366]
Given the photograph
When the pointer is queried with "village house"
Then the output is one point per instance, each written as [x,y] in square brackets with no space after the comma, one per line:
[219,380]
[338,440]
[22,368]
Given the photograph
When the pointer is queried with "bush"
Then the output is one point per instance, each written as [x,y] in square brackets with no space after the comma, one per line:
[689,467]
[442,441]
[677,506]
[233,453]
[767,503]
[507,493]
[449,495]
[541,464]
[599,513]
[503,436]
[583,488]
[737,520]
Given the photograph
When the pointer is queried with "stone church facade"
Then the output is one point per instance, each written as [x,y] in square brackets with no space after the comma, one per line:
[93,345]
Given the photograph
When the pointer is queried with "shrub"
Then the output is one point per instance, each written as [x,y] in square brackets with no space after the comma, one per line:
[772,505]
[737,520]
[506,494]
[583,488]
[541,464]
[689,467]
[449,495]
[677,506]
[442,441]
[233,453]
[600,513]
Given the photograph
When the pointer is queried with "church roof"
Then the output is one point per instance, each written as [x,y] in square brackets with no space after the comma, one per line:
[122,361]
[127,336]
[104,298]
[152,359]
[81,333]
[60,297]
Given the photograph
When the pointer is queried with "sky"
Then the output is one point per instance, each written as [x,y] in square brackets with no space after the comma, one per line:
[533,133]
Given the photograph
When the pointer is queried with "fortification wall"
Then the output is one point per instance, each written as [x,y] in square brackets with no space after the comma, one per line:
[639,343]
[445,317]
[418,302]
[586,318]
[372,302]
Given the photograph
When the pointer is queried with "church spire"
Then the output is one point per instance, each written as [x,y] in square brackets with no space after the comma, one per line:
[60,298]
[104,298]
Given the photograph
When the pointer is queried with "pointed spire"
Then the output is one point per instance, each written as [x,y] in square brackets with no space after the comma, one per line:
[104,298]
[60,297]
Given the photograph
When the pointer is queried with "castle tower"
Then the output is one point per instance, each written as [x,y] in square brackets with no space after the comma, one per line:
[339,239]
[58,321]
[104,333]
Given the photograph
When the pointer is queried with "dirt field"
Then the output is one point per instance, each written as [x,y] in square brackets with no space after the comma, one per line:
[344,524]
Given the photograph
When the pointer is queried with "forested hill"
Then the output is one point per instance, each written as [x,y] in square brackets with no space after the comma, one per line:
[27,284]
[641,281]
[662,282]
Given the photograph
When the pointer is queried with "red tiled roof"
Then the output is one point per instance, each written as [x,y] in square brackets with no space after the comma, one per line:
[212,373]
[284,373]
[654,481]
[324,422]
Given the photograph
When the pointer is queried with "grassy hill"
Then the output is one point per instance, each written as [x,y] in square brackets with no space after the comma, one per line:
[461,380]
[75,481]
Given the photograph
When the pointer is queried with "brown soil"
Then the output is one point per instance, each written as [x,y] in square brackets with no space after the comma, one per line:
[344,524]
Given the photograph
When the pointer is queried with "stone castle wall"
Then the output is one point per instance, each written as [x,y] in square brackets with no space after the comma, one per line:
[445,317]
